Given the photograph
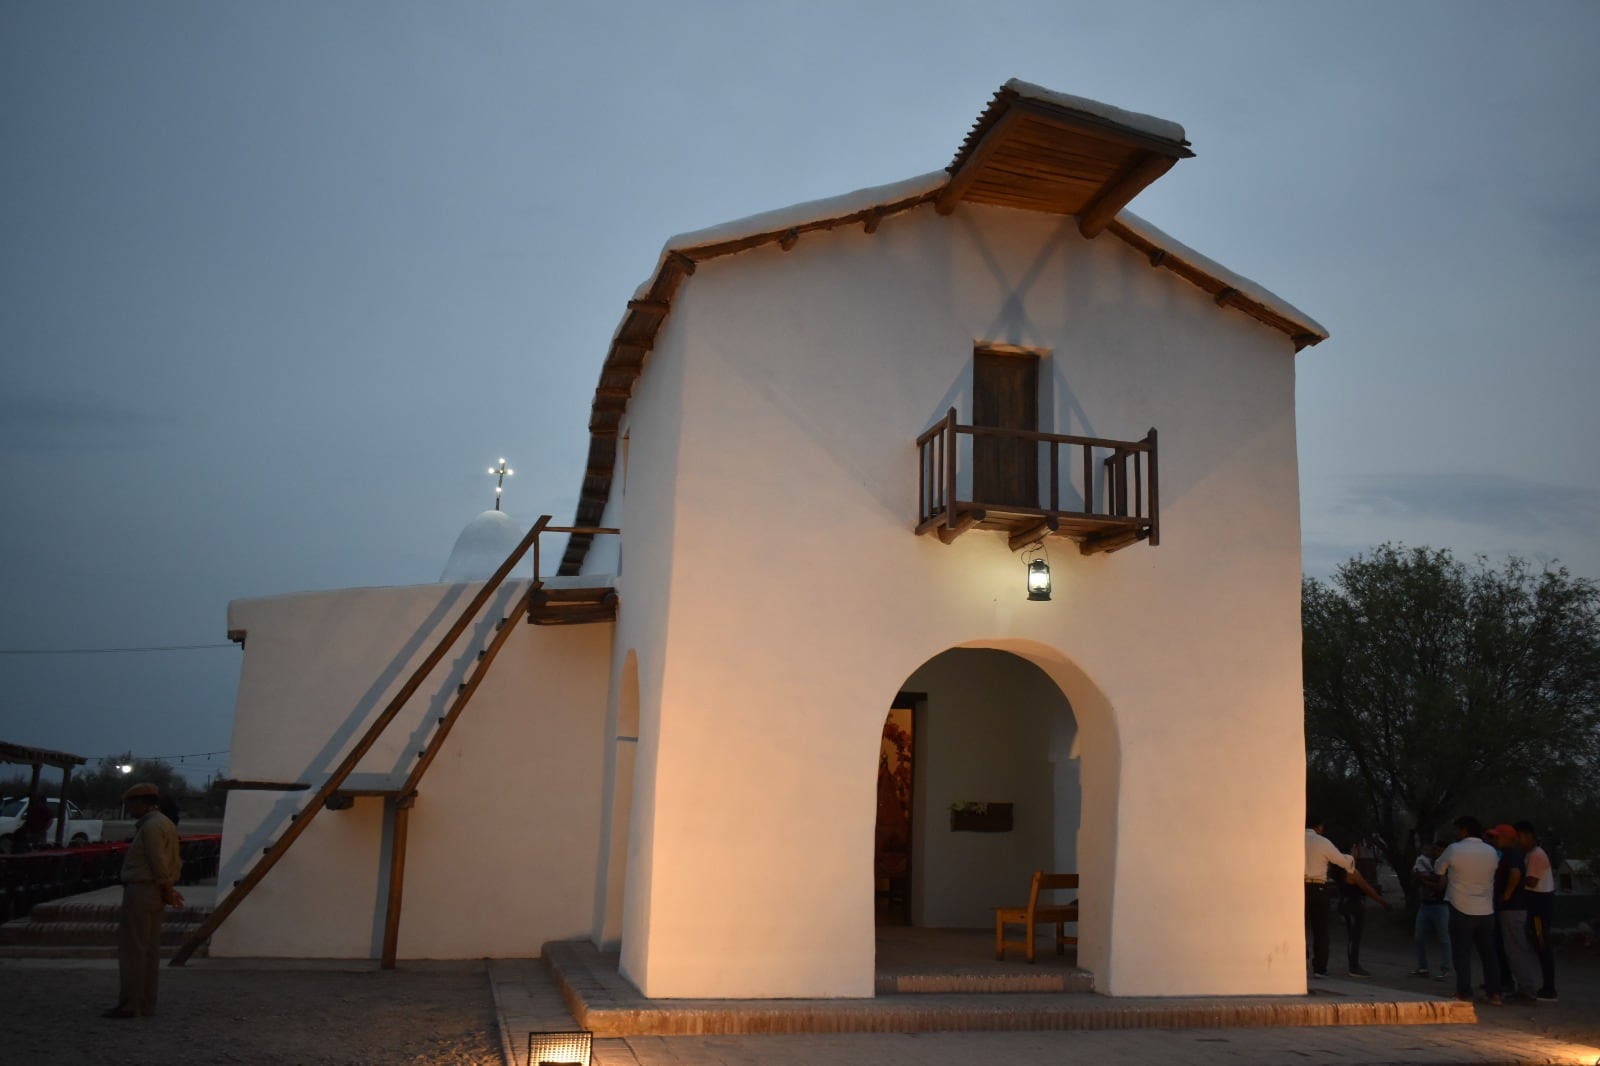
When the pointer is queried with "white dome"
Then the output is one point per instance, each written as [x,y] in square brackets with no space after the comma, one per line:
[482,547]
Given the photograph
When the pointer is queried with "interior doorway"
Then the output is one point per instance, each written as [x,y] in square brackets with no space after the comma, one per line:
[892,837]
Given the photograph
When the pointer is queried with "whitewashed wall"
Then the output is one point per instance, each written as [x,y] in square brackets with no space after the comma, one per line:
[504,840]
[782,601]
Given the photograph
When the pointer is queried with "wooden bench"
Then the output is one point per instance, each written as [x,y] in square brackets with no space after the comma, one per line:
[1036,914]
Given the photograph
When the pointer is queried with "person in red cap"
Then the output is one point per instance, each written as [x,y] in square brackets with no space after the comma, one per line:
[1511,911]
[149,882]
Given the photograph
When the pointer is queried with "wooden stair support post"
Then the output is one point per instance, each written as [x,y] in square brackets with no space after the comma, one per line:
[407,795]
[298,824]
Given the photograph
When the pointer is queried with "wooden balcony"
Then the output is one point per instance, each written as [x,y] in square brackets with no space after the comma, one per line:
[1099,493]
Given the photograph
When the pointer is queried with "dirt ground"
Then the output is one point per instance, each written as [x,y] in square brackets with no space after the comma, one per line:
[339,1014]
[215,1011]
[1389,953]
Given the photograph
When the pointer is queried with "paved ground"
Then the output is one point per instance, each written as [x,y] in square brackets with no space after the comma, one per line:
[228,1011]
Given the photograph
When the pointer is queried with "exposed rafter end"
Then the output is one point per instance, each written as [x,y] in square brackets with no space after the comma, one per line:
[236,635]
[965,521]
[1225,295]
[1301,340]
[1033,534]
[683,262]
[789,239]
[1113,542]
[1115,196]
[655,306]
[871,222]
[1158,256]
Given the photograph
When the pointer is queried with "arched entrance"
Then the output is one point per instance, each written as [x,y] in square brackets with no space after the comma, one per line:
[979,786]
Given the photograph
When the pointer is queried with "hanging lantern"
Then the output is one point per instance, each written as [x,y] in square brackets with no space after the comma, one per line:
[1039,580]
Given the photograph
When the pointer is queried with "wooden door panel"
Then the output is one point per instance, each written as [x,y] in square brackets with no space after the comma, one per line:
[1005,395]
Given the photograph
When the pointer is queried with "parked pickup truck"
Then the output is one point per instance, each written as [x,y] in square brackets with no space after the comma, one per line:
[13,816]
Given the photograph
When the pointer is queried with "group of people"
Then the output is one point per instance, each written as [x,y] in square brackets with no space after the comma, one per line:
[1491,891]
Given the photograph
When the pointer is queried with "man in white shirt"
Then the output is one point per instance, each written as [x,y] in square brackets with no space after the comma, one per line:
[1320,854]
[1468,868]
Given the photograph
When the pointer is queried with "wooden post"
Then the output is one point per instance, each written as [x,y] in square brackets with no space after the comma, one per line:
[922,480]
[1155,506]
[397,877]
[1088,479]
[1055,475]
[950,469]
[1138,484]
[61,810]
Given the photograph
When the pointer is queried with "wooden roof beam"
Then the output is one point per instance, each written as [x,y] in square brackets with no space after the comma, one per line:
[1116,195]
[1033,534]
[965,521]
[962,179]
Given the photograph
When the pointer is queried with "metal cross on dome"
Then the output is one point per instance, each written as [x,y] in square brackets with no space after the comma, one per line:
[501,472]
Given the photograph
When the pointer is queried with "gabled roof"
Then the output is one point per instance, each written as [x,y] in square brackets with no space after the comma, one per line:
[1031,149]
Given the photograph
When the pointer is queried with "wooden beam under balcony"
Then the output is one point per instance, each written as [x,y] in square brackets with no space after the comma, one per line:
[1033,534]
[1111,542]
[964,521]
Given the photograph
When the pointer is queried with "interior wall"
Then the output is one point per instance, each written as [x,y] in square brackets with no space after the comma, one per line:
[994,728]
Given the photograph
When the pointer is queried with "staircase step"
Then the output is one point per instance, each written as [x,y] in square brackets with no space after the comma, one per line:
[28,931]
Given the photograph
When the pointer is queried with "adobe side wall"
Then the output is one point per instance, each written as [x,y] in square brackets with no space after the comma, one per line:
[503,840]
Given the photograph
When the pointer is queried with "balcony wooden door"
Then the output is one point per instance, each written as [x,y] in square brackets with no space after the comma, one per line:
[1005,395]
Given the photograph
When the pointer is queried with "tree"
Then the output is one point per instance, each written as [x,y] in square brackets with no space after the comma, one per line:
[101,788]
[1432,686]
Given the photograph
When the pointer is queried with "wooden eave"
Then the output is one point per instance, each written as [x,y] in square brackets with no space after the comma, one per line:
[20,753]
[636,338]
[1224,294]
[1036,155]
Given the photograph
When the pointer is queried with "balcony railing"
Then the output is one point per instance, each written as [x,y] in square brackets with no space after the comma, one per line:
[1101,493]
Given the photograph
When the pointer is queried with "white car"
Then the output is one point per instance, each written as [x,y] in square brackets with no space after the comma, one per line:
[13,816]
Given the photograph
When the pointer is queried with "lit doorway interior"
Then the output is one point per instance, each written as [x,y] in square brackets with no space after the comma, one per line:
[892,838]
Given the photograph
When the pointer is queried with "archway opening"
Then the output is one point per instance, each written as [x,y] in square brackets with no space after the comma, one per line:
[986,745]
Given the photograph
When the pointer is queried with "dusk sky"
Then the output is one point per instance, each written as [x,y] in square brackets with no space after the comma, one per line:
[279,281]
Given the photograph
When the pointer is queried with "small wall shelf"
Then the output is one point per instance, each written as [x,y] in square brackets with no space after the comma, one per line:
[980,818]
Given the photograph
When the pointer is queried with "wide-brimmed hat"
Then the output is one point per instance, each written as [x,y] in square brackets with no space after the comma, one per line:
[143,789]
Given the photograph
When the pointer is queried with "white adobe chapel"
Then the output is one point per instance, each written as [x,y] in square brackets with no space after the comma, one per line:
[825,444]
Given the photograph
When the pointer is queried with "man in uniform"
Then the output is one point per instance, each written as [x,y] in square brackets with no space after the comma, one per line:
[149,879]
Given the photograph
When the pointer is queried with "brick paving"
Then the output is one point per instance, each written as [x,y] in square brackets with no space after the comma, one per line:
[529,998]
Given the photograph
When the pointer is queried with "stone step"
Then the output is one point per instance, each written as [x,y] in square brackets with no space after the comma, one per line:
[88,922]
[96,908]
[75,933]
